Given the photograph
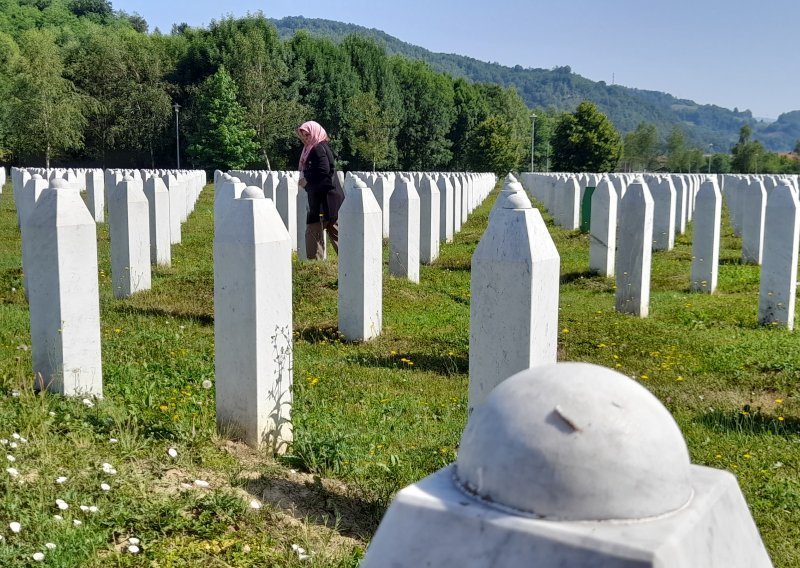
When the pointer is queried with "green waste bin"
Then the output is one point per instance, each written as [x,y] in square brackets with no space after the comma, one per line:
[586,209]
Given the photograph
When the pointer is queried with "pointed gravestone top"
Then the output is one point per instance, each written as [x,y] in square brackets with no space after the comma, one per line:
[517,201]
[59,184]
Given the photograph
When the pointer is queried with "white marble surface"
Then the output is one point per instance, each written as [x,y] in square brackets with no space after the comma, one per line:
[64,294]
[253,323]
[360,263]
[778,287]
[158,213]
[514,291]
[95,195]
[755,205]
[404,231]
[429,219]
[286,203]
[663,193]
[706,239]
[603,229]
[445,208]
[634,251]
[129,232]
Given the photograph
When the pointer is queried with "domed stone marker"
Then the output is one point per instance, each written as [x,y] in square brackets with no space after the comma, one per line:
[576,465]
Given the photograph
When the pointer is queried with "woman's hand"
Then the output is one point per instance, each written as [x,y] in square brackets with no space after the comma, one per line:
[302,183]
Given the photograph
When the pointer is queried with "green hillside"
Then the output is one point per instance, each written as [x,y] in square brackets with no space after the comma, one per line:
[561,89]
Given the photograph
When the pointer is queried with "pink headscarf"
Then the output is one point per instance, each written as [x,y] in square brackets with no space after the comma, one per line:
[316,134]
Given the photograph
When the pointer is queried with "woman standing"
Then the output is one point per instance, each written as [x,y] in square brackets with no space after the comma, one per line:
[317,171]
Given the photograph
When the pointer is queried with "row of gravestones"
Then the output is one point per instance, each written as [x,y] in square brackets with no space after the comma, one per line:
[59,257]
[565,464]
[560,465]
[449,196]
[253,285]
[624,231]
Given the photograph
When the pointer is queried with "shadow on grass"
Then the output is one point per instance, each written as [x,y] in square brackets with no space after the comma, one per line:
[445,365]
[307,497]
[570,277]
[319,334]
[749,422]
[202,319]
[454,265]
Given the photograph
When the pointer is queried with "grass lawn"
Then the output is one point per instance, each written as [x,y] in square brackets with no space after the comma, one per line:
[368,418]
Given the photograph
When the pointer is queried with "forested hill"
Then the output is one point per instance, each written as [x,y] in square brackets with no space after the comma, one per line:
[561,89]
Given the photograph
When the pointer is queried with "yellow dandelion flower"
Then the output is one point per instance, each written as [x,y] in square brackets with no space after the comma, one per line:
[747,456]
[780,418]
[565,330]
[778,401]
[644,377]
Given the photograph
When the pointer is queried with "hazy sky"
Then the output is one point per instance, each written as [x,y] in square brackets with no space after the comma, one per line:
[733,53]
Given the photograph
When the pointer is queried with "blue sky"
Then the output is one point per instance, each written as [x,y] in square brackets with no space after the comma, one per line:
[733,53]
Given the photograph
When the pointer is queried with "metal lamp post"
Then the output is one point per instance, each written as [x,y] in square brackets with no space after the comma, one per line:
[177,107]
[533,139]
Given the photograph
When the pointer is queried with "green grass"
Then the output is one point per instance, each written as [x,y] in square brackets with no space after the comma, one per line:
[369,418]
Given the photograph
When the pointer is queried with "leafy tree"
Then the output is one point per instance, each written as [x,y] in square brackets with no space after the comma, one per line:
[641,147]
[494,146]
[328,83]
[428,116]
[797,147]
[220,137]
[99,10]
[9,55]
[471,109]
[586,141]
[747,155]
[721,163]
[370,131]
[256,59]
[677,155]
[46,114]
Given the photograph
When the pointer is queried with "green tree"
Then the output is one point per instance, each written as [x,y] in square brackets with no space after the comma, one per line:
[746,155]
[494,146]
[797,147]
[471,109]
[428,116]
[721,163]
[46,114]
[220,137]
[9,55]
[256,59]
[677,156]
[369,128]
[586,141]
[641,147]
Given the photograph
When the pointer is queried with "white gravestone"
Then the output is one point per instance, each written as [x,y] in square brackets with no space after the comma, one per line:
[778,288]
[158,211]
[382,190]
[706,238]
[755,205]
[26,203]
[429,217]
[663,193]
[570,465]
[456,181]
[603,229]
[64,294]
[681,198]
[253,323]
[95,195]
[129,232]
[634,251]
[286,203]
[176,206]
[301,212]
[404,231]
[514,298]
[568,204]
[445,208]
[360,263]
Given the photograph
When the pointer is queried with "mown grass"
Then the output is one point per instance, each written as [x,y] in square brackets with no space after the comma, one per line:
[369,418]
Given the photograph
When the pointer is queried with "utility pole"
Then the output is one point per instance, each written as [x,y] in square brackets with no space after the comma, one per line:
[533,139]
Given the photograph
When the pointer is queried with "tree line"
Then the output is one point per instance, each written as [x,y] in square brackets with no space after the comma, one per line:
[83,84]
